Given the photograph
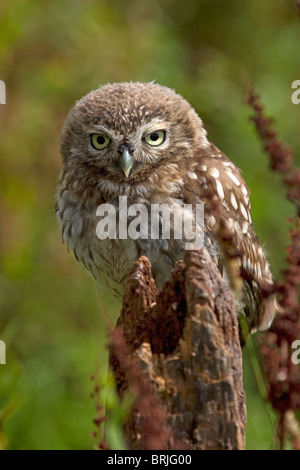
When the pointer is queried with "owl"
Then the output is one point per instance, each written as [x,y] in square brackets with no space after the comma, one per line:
[145,143]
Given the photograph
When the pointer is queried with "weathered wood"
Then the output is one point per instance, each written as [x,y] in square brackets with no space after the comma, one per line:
[186,341]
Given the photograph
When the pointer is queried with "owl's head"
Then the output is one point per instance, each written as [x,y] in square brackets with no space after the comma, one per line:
[125,131]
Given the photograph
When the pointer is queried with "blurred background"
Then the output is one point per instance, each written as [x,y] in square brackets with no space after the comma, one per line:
[51,53]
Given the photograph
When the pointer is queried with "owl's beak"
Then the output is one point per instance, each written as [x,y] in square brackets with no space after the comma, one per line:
[126,162]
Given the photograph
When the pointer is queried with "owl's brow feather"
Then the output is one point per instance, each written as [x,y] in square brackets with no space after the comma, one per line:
[155,124]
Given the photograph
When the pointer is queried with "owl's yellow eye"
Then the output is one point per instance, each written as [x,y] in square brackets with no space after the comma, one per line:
[99,141]
[155,138]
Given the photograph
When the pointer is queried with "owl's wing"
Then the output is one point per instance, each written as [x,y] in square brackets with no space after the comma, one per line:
[212,179]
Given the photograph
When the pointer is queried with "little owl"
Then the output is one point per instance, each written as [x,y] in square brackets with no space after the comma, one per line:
[145,142]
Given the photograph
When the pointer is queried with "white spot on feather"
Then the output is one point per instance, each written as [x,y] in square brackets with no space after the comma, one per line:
[215,173]
[244,212]
[244,190]
[246,199]
[233,178]
[211,221]
[203,182]
[192,175]
[220,189]
[245,227]
[259,275]
[228,164]
[237,226]
[255,269]
[230,224]
[233,201]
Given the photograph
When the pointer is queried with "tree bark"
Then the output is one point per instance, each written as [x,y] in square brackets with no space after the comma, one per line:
[185,357]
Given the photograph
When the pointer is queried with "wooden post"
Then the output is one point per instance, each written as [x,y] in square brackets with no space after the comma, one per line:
[182,358]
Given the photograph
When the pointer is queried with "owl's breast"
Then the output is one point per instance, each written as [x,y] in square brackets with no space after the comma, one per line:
[107,240]
[108,260]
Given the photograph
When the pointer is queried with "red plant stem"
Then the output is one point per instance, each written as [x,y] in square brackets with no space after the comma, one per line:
[283,392]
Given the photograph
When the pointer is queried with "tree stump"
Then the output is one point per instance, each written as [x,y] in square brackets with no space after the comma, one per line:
[179,351]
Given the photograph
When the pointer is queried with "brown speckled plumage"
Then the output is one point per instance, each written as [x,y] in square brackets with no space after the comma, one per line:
[177,171]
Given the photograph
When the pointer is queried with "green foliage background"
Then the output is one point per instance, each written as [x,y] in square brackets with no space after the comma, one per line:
[51,53]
